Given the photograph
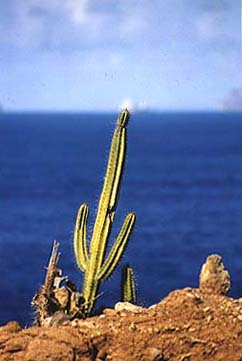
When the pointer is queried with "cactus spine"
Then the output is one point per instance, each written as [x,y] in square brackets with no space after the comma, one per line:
[92,262]
[128,285]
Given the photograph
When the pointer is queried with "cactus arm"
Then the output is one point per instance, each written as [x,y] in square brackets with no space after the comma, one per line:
[128,285]
[118,248]
[80,238]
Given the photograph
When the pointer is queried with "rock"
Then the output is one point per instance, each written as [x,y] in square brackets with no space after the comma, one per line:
[59,318]
[214,278]
[109,311]
[126,306]
[11,327]
[153,354]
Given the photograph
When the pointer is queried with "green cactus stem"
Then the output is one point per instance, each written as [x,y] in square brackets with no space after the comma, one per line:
[128,285]
[91,261]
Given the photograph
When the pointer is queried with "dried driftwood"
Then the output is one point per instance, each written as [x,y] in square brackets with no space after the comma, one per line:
[57,300]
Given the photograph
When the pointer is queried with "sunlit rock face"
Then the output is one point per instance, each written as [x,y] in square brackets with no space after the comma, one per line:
[214,278]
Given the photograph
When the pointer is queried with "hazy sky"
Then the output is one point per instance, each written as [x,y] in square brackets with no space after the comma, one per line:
[91,55]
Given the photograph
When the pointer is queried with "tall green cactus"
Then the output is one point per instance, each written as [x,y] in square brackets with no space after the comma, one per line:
[92,262]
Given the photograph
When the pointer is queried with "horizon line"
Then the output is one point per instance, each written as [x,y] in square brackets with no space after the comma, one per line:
[112,111]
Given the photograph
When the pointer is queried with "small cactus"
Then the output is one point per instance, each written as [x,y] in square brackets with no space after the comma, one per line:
[128,285]
[91,260]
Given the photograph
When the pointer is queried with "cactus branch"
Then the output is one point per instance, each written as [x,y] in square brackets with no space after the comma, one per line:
[118,248]
[80,238]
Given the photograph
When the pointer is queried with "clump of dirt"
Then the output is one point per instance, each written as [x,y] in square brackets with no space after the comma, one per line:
[188,325]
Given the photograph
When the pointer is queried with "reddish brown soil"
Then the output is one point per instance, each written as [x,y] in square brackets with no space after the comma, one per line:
[188,325]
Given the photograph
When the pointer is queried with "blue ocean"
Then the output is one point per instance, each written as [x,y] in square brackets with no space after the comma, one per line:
[183,179]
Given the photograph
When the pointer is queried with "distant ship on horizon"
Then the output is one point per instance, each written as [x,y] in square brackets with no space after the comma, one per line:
[139,107]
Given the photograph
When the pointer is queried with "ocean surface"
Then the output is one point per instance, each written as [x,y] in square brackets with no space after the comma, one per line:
[183,178]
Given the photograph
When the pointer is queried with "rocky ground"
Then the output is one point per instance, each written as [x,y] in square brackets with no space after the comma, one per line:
[188,325]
